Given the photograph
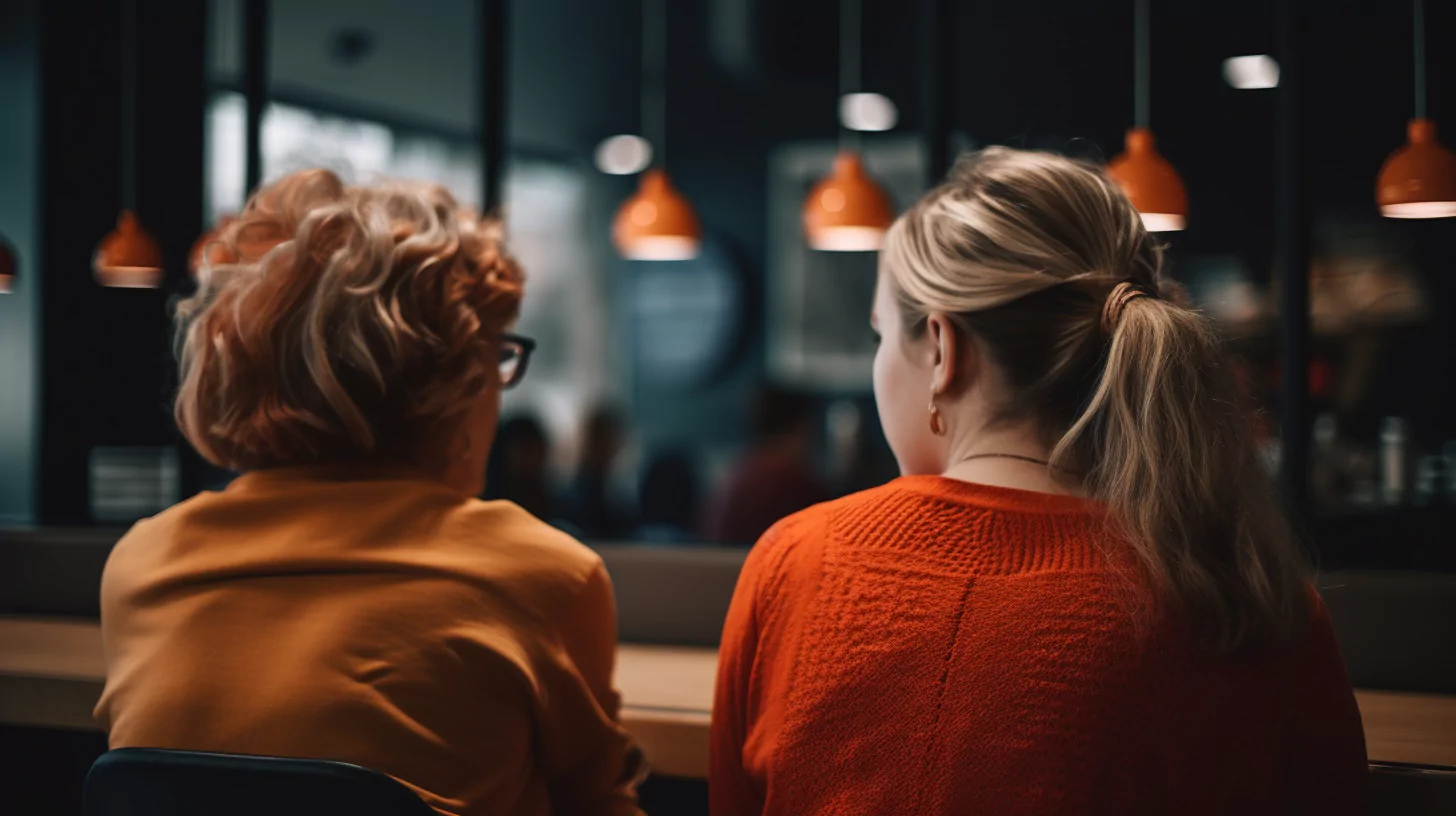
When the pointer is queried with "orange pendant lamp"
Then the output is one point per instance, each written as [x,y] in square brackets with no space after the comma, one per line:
[1150,183]
[128,257]
[1148,180]
[9,266]
[847,211]
[1419,179]
[656,223]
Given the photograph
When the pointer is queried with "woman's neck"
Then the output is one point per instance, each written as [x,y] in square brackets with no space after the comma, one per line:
[1011,457]
[1012,473]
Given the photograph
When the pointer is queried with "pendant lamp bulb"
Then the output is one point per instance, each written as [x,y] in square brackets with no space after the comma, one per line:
[1147,179]
[1419,179]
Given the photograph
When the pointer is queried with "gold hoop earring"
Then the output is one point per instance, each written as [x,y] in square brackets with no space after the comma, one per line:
[937,424]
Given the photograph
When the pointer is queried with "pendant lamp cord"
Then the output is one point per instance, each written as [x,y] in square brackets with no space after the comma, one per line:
[1419,24]
[654,77]
[1141,69]
[851,43]
[128,104]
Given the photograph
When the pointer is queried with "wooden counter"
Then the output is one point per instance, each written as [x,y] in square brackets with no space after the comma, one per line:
[51,673]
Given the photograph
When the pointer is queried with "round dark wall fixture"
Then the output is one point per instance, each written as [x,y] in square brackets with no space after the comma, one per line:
[688,318]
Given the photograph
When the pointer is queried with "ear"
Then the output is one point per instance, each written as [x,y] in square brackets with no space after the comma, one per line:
[953,356]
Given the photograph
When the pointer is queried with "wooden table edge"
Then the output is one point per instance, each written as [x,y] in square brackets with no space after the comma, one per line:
[58,691]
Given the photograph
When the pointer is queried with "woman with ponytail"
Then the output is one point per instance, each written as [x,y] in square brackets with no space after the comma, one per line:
[1081,596]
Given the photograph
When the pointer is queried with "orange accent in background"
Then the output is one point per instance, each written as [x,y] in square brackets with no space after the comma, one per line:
[8,266]
[1319,376]
[1148,180]
[848,197]
[656,210]
[128,255]
[1423,170]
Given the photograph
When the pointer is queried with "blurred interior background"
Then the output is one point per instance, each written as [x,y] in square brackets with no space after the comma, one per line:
[660,385]
[677,407]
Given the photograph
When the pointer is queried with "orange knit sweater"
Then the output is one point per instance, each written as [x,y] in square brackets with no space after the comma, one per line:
[938,647]
[378,618]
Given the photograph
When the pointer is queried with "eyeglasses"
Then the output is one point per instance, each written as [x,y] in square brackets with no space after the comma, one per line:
[515,355]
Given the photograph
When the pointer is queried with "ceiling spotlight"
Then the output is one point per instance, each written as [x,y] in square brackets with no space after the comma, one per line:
[624,155]
[1251,73]
[867,111]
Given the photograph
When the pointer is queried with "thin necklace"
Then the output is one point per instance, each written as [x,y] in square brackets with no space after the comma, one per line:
[1017,457]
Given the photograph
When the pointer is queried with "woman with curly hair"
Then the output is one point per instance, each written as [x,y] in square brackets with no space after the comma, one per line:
[347,598]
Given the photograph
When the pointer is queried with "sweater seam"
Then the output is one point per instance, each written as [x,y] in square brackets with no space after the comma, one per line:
[955,637]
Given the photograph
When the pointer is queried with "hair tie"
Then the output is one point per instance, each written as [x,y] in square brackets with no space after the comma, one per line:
[1117,300]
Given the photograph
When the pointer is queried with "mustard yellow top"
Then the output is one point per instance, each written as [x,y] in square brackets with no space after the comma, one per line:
[378,618]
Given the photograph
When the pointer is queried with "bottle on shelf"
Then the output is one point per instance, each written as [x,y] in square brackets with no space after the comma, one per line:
[1394,460]
[1325,465]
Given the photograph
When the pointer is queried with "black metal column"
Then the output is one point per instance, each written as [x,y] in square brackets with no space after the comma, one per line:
[106,371]
[937,86]
[492,56]
[1294,253]
[255,87]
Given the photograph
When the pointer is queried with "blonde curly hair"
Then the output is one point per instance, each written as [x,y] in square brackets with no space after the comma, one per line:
[337,323]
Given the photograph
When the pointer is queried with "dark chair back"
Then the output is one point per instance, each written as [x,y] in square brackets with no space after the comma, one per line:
[1410,790]
[153,782]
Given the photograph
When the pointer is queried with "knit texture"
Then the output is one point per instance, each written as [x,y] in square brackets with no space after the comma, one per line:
[939,647]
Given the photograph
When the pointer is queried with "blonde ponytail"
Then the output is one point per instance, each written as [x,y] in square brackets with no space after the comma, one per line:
[1048,265]
[1169,453]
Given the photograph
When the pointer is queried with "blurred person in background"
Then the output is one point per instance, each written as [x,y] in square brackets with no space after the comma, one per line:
[519,467]
[1081,596]
[668,500]
[587,502]
[346,597]
[775,478]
